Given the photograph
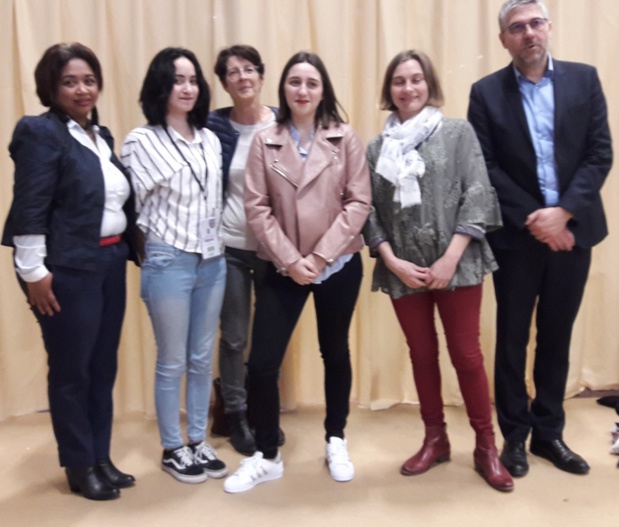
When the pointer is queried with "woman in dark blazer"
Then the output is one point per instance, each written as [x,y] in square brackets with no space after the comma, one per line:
[70,224]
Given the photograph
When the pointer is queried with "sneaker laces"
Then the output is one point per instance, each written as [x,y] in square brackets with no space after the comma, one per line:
[185,456]
[205,450]
[252,467]
[338,453]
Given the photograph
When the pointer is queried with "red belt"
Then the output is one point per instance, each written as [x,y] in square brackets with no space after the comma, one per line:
[110,240]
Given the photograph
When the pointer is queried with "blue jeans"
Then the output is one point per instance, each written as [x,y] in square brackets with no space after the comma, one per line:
[242,266]
[183,294]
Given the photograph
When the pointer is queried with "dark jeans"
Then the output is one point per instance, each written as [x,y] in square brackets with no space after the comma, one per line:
[82,342]
[554,281]
[278,308]
[242,269]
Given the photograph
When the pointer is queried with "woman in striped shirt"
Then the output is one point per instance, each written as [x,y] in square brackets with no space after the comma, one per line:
[175,166]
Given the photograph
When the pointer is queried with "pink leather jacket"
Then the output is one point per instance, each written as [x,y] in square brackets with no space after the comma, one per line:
[297,208]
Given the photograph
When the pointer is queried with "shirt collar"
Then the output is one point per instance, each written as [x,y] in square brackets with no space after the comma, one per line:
[197,136]
[549,73]
[74,125]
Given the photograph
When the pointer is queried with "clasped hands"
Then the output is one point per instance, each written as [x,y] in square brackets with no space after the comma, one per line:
[305,270]
[437,276]
[549,226]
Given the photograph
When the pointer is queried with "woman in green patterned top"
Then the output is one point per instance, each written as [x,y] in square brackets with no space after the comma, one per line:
[433,204]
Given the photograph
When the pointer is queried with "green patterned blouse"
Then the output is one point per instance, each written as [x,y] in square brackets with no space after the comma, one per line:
[455,196]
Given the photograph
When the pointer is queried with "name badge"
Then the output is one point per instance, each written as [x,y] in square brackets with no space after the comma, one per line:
[210,244]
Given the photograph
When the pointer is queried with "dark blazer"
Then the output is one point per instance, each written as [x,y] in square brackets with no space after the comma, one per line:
[59,191]
[583,150]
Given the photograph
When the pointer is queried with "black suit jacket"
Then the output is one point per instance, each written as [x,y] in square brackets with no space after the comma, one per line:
[59,191]
[583,152]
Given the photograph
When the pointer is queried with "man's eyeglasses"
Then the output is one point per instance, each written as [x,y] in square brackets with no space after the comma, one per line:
[235,74]
[536,24]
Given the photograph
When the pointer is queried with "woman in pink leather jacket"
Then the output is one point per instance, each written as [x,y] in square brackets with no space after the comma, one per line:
[307,196]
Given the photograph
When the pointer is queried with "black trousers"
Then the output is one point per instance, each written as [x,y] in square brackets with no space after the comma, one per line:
[81,343]
[529,277]
[279,303]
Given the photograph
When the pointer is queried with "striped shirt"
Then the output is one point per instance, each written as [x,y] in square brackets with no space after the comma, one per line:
[177,182]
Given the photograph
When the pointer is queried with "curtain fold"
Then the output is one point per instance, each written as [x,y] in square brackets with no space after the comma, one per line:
[356,39]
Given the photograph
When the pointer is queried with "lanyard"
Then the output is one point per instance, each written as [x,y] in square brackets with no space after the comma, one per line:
[195,176]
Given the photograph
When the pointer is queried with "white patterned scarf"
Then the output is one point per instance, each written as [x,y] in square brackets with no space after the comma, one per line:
[399,161]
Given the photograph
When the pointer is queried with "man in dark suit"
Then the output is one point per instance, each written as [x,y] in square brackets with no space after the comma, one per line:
[543,128]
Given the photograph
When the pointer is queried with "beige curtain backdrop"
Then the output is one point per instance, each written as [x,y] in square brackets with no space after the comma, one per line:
[356,39]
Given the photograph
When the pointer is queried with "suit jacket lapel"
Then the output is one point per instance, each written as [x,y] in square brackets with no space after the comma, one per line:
[514,97]
[561,94]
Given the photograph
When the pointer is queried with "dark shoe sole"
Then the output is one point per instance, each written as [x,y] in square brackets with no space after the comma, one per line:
[580,471]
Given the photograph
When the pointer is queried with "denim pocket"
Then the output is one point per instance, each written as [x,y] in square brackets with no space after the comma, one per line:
[158,256]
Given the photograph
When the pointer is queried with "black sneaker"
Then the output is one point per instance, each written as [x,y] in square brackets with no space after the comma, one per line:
[204,456]
[181,465]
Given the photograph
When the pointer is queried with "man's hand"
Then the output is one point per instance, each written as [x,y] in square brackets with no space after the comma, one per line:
[564,241]
[547,223]
[549,226]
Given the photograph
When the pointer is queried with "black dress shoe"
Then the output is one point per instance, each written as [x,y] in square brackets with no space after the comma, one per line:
[558,453]
[118,479]
[90,483]
[514,458]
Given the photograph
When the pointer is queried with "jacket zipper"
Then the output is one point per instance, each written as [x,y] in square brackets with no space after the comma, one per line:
[285,176]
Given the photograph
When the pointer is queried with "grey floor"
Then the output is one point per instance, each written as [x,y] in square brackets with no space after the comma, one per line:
[33,491]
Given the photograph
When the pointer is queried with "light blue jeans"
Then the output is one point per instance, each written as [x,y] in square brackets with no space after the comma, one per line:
[183,294]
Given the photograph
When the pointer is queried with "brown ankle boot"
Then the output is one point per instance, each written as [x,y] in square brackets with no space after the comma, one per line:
[489,466]
[435,450]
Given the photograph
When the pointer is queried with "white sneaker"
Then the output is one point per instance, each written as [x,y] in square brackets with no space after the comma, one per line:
[340,465]
[253,471]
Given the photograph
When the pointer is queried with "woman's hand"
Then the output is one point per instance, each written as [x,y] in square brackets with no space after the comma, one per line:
[410,274]
[443,269]
[41,296]
[303,272]
[441,272]
[317,262]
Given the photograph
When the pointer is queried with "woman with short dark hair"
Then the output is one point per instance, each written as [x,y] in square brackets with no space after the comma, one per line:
[71,223]
[307,196]
[175,166]
[241,72]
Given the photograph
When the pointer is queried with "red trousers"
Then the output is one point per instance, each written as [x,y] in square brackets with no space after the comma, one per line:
[459,310]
